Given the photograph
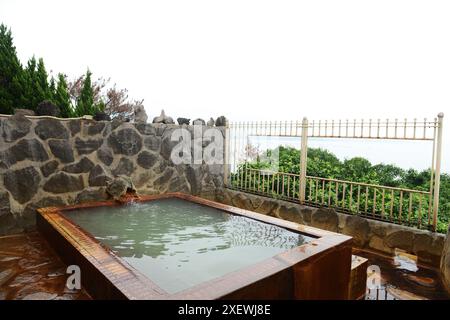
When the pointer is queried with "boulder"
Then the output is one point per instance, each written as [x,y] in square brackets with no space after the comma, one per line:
[22,183]
[105,156]
[147,159]
[74,126]
[124,167]
[166,146]
[164,178]
[91,194]
[178,184]
[14,127]
[221,121]
[428,247]
[45,202]
[49,167]
[140,116]
[402,239]
[147,129]
[62,182]
[98,177]
[62,150]
[47,108]
[358,228]
[325,218]
[82,166]
[162,118]
[199,122]
[51,129]
[119,186]
[95,128]
[26,149]
[290,213]
[126,141]
[152,143]
[182,121]
[241,201]
[87,146]
[306,215]
[101,116]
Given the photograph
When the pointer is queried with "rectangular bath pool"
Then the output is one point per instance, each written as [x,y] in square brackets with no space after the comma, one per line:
[177,246]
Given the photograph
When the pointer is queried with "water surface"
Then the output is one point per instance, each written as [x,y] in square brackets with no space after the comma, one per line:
[179,244]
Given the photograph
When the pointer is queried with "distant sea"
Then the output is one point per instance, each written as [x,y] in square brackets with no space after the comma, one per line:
[405,154]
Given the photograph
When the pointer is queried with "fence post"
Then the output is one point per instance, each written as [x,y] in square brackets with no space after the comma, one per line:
[226,162]
[437,172]
[303,160]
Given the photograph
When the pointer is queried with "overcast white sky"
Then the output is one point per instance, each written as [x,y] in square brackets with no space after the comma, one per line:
[251,60]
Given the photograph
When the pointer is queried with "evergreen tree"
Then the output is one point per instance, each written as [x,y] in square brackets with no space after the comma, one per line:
[85,101]
[52,89]
[43,88]
[62,97]
[11,74]
[37,88]
[30,88]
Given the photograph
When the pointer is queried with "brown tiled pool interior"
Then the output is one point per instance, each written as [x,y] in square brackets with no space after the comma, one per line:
[31,270]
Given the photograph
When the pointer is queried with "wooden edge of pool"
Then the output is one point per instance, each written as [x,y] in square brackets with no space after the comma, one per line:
[287,275]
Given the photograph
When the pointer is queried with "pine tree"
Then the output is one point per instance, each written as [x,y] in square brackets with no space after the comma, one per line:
[85,102]
[62,97]
[43,89]
[11,74]
[30,87]
[52,89]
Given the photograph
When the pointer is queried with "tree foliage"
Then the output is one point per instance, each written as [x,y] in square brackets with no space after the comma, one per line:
[27,86]
[324,164]
[11,74]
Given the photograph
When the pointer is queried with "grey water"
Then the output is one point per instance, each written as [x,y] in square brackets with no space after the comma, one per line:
[179,244]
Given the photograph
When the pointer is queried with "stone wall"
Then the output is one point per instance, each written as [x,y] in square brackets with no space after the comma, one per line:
[366,233]
[51,162]
[445,263]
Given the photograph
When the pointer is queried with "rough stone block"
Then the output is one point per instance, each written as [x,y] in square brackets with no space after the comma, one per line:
[325,218]
[14,127]
[51,129]
[22,183]
[61,149]
[126,141]
[62,182]
[402,239]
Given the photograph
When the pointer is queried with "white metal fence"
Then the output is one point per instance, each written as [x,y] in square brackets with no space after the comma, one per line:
[398,205]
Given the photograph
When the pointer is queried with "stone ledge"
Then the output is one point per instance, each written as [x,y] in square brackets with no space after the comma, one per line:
[372,234]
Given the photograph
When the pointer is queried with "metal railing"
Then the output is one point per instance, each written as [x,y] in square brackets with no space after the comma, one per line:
[417,208]
[397,205]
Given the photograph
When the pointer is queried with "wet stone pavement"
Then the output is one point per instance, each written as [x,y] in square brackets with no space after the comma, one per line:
[402,278]
[30,270]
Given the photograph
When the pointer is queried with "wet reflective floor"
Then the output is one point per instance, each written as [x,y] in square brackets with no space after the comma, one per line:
[30,270]
[402,278]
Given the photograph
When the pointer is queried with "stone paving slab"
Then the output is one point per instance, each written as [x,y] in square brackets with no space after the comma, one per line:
[30,270]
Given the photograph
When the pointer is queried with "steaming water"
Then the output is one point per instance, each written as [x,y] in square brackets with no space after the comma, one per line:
[179,244]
